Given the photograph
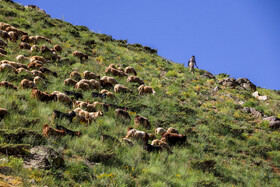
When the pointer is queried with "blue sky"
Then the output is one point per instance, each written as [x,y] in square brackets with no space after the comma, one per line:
[237,37]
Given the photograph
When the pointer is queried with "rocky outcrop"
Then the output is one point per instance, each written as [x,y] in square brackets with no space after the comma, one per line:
[42,157]
[274,122]
[208,75]
[242,83]
[253,111]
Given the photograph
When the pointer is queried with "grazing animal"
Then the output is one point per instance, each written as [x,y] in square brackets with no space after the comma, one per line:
[49,131]
[25,46]
[3,51]
[130,70]
[3,113]
[173,138]
[39,38]
[89,75]
[172,130]
[47,71]
[145,90]
[67,131]
[57,48]
[32,39]
[36,64]
[122,114]
[7,85]
[63,98]
[8,68]
[23,70]
[43,96]
[115,72]
[107,93]
[87,84]
[39,58]
[121,88]
[21,58]
[106,84]
[25,84]
[112,80]
[80,55]
[82,119]
[45,49]
[70,82]
[135,79]
[160,130]
[77,95]
[152,148]
[162,144]
[75,75]
[127,141]
[13,36]
[34,48]
[14,64]
[38,80]
[141,121]
[38,73]
[5,35]
[94,115]
[100,95]
[138,135]
[25,38]
[60,115]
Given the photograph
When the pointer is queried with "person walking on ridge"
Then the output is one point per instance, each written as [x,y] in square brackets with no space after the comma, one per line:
[191,64]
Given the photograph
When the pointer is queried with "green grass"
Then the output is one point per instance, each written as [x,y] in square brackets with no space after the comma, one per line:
[237,144]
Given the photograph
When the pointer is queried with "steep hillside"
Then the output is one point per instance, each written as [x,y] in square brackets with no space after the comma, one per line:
[228,142]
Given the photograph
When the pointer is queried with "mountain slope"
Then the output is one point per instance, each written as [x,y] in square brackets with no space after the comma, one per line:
[225,145]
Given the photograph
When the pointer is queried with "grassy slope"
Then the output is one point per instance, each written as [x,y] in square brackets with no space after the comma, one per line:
[238,144]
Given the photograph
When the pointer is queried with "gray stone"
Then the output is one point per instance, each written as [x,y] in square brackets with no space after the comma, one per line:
[274,122]
[43,158]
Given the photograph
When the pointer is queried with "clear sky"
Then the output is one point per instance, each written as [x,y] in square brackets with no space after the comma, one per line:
[237,37]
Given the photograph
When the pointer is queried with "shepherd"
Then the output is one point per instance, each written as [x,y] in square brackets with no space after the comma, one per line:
[191,64]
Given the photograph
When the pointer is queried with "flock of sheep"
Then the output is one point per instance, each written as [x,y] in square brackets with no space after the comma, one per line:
[84,111]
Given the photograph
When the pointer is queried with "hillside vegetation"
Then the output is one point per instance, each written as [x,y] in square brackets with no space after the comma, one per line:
[226,146]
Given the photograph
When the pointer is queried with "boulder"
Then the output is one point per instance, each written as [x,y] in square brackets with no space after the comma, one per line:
[259,97]
[274,122]
[42,157]
[229,82]
[246,84]
[209,75]
[253,111]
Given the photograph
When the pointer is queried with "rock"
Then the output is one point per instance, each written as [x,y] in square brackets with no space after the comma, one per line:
[274,122]
[246,84]
[259,97]
[253,111]
[209,75]
[229,82]
[43,158]
[216,89]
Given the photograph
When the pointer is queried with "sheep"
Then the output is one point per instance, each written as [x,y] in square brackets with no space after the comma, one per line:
[39,58]
[3,113]
[43,96]
[129,70]
[173,138]
[115,72]
[57,48]
[172,130]
[138,135]
[122,114]
[39,38]
[7,85]
[152,148]
[25,38]
[14,64]
[80,55]
[3,51]
[13,35]
[135,79]
[2,43]
[67,131]
[32,39]
[111,80]
[86,105]
[82,85]
[60,115]
[45,49]
[70,82]
[109,94]
[75,75]
[8,68]
[47,71]
[21,58]
[106,84]
[5,35]
[77,95]
[34,48]
[121,88]
[87,84]
[38,80]
[36,64]
[27,84]
[3,26]
[38,73]
[94,115]
[161,143]
[18,31]
[62,98]
[160,130]
[48,131]
[25,46]
[23,70]
[120,69]
[82,119]
[145,90]
[141,121]
[90,75]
